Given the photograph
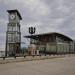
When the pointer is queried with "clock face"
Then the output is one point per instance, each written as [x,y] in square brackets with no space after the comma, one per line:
[12,16]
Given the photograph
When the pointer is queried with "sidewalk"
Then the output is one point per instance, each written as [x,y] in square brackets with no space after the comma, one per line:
[30,58]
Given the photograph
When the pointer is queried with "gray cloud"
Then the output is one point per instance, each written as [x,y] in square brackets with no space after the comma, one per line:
[45,15]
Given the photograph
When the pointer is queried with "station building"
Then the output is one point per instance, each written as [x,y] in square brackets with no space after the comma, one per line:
[52,43]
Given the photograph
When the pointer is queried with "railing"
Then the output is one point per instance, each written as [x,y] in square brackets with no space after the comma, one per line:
[25,55]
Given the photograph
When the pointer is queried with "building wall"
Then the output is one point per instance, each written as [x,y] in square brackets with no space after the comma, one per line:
[51,48]
[64,45]
[55,44]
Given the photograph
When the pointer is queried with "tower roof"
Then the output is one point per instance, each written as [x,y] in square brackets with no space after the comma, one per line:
[10,11]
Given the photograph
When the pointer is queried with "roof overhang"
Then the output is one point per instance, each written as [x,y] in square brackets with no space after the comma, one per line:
[35,36]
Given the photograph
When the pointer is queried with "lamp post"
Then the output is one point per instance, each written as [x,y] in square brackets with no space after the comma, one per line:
[32,31]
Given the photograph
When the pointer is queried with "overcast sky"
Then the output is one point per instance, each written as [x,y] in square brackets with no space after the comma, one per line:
[45,15]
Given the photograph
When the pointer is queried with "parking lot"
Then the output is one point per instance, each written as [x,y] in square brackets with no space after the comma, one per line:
[55,66]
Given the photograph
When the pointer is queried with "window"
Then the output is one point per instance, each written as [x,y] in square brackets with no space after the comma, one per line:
[11,47]
[9,28]
[9,37]
[14,28]
[13,37]
[17,38]
[18,28]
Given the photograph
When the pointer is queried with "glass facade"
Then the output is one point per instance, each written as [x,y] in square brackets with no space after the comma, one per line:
[54,44]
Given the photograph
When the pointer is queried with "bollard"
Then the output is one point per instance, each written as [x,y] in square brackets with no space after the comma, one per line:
[40,55]
[33,56]
[3,58]
[15,57]
[24,56]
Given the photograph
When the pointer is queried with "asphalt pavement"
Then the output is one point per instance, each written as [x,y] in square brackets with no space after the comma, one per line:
[56,66]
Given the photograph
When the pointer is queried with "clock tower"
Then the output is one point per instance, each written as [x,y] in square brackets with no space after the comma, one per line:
[13,34]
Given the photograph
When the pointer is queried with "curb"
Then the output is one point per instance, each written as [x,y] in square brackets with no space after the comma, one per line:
[24,59]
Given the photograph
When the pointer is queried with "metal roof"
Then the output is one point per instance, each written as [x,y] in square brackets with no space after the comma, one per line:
[9,11]
[44,34]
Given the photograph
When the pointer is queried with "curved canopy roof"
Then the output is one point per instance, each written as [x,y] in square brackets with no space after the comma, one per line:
[34,36]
